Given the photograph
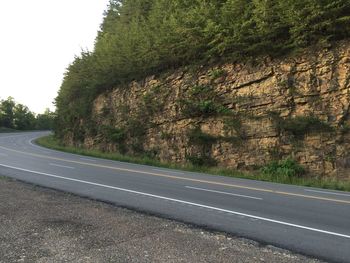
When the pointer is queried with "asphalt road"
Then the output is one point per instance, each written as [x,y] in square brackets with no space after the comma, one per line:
[310,221]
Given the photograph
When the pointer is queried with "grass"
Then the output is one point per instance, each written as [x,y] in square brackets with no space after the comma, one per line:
[6,178]
[261,175]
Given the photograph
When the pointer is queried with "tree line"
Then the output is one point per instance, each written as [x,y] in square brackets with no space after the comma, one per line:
[141,37]
[16,116]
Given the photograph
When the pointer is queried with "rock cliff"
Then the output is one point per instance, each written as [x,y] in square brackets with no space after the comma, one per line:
[240,116]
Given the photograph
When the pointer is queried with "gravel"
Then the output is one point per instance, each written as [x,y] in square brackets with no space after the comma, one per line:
[43,225]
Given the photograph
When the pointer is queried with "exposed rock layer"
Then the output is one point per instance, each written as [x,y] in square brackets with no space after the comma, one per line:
[250,97]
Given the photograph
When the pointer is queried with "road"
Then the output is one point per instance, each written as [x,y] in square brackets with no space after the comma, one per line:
[314,222]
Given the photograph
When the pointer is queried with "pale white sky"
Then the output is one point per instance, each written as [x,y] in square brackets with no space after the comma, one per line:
[38,40]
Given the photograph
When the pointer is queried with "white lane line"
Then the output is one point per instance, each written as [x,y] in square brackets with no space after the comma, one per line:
[62,166]
[225,193]
[325,192]
[184,202]
[166,171]
[3,154]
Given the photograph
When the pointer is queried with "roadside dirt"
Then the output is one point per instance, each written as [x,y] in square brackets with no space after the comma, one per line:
[43,225]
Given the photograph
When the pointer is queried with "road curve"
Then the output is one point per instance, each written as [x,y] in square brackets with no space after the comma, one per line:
[310,221]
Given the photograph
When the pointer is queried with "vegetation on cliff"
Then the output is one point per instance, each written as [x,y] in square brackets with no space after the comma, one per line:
[141,37]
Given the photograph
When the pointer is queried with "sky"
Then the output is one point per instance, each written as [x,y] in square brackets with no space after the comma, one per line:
[39,39]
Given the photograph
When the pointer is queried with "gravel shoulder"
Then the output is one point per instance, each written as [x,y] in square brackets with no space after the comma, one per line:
[44,225]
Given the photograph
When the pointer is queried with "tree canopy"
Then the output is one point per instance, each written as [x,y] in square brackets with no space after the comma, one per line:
[141,37]
[18,117]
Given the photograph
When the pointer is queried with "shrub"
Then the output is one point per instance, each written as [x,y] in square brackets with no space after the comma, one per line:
[136,127]
[201,160]
[286,168]
[118,135]
[216,73]
[202,101]
[200,90]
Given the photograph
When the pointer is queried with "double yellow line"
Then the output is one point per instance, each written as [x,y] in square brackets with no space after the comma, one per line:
[173,177]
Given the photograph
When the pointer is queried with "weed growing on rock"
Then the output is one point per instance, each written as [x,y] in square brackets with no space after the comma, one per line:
[202,101]
[216,73]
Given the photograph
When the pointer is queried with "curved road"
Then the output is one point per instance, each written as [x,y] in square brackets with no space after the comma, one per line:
[310,221]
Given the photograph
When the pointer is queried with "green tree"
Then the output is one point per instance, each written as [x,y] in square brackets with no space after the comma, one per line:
[23,119]
[316,21]
[45,121]
[142,37]
[7,113]
[18,116]
[271,30]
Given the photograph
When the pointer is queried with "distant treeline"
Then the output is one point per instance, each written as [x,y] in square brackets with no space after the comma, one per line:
[15,116]
[141,37]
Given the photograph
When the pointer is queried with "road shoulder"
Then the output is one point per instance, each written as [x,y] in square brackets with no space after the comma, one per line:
[43,225]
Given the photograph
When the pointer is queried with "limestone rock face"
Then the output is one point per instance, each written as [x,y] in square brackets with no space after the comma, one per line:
[156,115]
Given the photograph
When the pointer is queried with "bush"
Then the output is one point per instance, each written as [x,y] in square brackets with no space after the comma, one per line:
[286,168]
[201,160]
[216,73]
[202,101]
[118,135]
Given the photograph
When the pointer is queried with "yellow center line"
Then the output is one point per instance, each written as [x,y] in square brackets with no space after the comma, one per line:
[173,177]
